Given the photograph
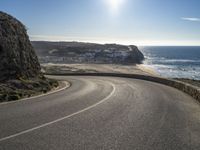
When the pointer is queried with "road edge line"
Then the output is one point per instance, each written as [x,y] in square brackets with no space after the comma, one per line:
[67,85]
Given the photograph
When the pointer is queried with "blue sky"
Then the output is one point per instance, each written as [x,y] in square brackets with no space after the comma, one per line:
[140,22]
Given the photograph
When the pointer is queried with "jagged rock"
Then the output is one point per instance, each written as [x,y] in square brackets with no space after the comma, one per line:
[17,56]
[136,55]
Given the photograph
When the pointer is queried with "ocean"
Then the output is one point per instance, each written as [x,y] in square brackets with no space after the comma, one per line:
[173,61]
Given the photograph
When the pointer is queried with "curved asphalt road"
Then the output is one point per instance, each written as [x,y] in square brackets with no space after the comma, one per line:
[98,113]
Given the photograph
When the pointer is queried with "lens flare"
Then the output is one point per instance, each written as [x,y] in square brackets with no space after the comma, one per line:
[114,5]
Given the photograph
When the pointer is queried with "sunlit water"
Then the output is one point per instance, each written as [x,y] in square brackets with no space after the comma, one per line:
[173,62]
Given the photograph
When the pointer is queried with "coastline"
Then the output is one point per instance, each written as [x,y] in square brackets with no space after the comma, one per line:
[173,61]
[148,70]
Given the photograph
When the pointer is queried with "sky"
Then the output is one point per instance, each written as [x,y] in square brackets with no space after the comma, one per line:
[139,22]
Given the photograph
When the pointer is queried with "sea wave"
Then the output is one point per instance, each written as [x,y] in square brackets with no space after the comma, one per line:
[162,59]
[173,71]
[174,62]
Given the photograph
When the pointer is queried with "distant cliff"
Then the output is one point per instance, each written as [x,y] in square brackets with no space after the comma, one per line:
[77,52]
[17,56]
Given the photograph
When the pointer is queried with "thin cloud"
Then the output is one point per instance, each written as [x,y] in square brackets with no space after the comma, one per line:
[191,19]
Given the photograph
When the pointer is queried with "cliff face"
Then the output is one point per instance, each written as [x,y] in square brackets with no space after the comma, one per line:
[136,55]
[17,56]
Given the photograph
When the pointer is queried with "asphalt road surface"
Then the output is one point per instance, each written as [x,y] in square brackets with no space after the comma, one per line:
[103,113]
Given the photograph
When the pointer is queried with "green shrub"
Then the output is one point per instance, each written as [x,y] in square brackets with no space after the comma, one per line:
[13,97]
[15,89]
[2,97]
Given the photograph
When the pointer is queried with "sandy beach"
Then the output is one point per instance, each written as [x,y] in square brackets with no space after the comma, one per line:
[104,68]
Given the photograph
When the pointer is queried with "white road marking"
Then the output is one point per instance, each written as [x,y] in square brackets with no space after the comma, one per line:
[67,85]
[60,119]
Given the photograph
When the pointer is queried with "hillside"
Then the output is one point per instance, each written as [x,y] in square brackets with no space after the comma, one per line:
[77,52]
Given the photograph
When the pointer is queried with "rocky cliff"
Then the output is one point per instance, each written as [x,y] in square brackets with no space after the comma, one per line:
[20,72]
[17,55]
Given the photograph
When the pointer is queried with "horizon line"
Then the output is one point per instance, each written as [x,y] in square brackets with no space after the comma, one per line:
[114,43]
[127,41]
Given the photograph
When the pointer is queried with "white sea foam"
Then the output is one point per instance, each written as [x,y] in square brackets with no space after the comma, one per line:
[174,62]
[177,72]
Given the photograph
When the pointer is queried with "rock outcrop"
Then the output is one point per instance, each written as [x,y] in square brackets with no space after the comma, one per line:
[20,72]
[136,55]
[17,56]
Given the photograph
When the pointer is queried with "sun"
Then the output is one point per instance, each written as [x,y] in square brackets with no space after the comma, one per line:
[114,5]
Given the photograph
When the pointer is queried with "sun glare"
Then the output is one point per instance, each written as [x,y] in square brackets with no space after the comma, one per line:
[114,5]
